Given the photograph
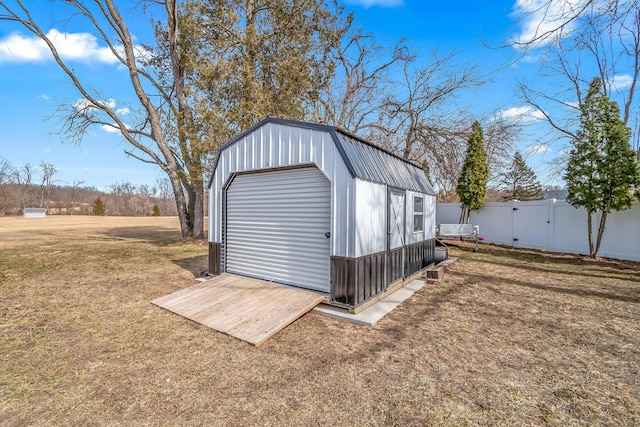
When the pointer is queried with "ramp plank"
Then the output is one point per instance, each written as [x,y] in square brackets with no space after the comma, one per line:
[249,309]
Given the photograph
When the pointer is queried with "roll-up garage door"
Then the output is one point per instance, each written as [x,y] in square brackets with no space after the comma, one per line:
[277,227]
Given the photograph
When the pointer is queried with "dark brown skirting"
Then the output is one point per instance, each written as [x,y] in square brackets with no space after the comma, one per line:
[396,264]
[355,280]
[214,258]
[419,255]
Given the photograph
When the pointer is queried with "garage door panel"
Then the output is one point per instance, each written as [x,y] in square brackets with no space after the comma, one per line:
[278,231]
[275,246]
[281,182]
[275,227]
[283,251]
[283,273]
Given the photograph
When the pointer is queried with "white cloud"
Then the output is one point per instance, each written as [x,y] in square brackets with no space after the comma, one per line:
[369,3]
[538,149]
[43,96]
[110,129]
[522,114]
[122,111]
[540,17]
[46,150]
[621,82]
[82,104]
[111,103]
[532,59]
[80,47]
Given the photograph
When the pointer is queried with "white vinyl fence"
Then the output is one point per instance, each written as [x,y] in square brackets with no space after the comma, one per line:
[552,225]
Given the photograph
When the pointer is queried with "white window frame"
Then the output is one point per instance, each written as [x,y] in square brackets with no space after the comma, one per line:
[419,214]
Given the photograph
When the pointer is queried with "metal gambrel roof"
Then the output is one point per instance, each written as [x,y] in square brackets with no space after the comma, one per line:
[375,164]
[363,159]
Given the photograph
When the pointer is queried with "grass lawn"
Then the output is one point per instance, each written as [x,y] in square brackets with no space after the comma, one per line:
[510,337]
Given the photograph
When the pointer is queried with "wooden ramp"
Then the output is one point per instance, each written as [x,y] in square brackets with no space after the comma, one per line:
[249,309]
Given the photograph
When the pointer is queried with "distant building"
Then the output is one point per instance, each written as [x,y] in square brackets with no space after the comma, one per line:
[34,212]
[559,194]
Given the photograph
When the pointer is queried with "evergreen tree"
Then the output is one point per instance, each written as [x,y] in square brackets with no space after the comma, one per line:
[472,183]
[602,168]
[520,181]
[638,186]
[427,171]
[155,210]
[98,208]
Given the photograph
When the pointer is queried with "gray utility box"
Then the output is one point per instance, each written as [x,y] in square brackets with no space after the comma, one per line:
[441,253]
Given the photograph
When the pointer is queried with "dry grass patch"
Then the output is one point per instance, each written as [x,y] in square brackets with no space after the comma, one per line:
[511,337]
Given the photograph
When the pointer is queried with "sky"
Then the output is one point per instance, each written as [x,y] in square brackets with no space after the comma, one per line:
[32,87]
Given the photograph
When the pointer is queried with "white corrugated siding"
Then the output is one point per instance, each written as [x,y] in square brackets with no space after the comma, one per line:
[429,217]
[275,145]
[359,212]
[276,224]
[371,218]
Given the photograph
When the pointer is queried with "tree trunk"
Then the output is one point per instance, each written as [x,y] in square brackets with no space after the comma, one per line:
[590,233]
[601,226]
[248,81]
[465,215]
[181,206]
[198,212]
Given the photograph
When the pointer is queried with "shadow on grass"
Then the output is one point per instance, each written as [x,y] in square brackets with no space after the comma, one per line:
[397,333]
[592,274]
[537,261]
[198,265]
[567,291]
[158,236]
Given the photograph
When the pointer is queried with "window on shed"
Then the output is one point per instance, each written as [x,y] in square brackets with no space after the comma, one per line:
[418,214]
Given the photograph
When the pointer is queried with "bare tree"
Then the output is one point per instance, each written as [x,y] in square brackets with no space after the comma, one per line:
[577,41]
[5,179]
[410,106]
[147,138]
[420,104]
[355,95]
[47,172]
[123,201]
[22,177]
[547,22]
[72,196]
[217,68]
[128,192]
[163,191]
[499,135]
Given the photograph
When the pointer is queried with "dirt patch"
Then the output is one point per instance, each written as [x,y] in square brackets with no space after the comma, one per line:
[509,337]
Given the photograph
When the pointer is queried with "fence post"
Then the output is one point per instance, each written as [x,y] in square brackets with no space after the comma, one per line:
[514,224]
[551,204]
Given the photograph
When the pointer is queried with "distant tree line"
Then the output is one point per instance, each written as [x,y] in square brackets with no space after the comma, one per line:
[29,186]
[216,68]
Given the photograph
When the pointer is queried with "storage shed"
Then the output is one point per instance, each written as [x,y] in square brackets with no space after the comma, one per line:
[34,212]
[315,207]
